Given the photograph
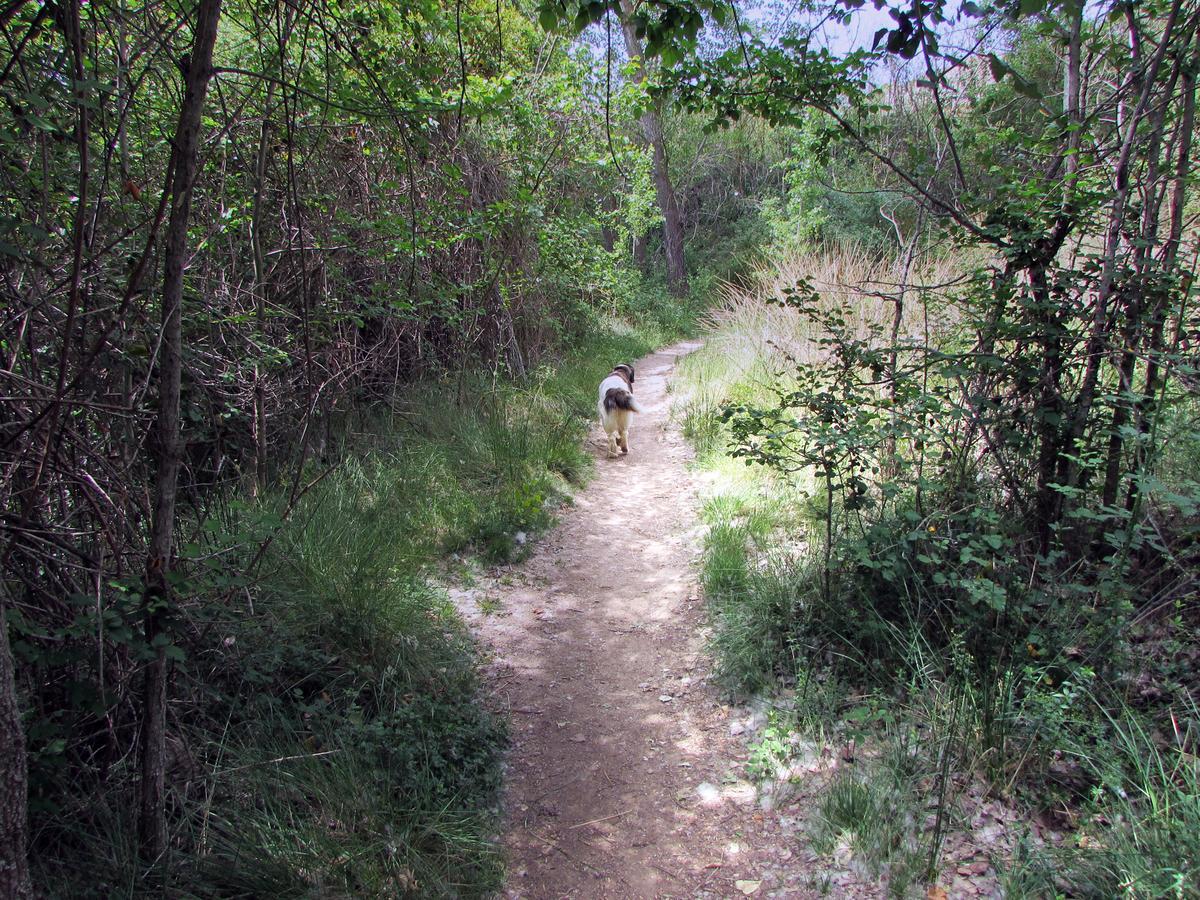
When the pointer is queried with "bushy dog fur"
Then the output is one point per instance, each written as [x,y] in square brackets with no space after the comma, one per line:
[616,406]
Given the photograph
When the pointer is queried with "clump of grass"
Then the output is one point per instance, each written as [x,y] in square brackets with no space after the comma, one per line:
[508,457]
[752,339]
[361,762]
[749,323]
[382,809]
[348,571]
[709,379]
[1141,830]
[752,590]
[863,814]
[753,597]
[341,748]
[869,817]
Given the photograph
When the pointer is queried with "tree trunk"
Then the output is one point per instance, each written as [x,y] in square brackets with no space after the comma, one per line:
[1114,234]
[608,234]
[260,294]
[890,463]
[1156,371]
[1135,306]
[1049,406]
[637,249]
[152,829]
[14,826]
[652,133]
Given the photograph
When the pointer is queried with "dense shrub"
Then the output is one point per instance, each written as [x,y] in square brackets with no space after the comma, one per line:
[870,546]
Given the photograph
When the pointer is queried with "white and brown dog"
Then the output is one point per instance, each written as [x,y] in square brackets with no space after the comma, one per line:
[617,407]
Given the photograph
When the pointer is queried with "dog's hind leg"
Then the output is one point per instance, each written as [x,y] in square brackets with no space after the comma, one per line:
[612,444]
[622,424]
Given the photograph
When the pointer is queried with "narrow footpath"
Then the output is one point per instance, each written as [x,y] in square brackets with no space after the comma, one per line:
[625,777]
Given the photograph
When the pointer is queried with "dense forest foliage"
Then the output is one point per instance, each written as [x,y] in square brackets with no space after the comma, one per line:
[304,305]
[271,275]
[971,418]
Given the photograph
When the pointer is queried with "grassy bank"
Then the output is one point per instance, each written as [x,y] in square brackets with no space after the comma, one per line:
[328,734]
[971,725]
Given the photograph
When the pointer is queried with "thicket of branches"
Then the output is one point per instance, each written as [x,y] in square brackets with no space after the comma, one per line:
[223,227]
[994,413]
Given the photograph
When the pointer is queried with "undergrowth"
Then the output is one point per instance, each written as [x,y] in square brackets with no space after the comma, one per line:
[329,735]
[912,630]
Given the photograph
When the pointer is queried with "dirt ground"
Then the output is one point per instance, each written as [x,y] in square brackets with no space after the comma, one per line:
[625,778]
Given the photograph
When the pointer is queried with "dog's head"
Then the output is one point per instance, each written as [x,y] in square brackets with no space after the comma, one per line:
[626,371]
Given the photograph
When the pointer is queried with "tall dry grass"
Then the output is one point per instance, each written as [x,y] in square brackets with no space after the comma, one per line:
[751,339]
[747,322]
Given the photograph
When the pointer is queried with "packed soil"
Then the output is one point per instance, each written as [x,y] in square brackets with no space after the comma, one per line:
[626,772]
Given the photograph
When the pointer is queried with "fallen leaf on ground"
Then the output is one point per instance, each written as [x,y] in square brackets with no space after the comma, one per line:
[747,887]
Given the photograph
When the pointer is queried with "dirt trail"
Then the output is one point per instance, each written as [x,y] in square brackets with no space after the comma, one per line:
[623,772]
[626,776]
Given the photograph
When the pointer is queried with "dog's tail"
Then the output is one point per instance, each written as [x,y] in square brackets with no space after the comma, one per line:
[619,398]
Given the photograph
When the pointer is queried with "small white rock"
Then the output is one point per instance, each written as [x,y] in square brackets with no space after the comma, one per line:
[742,792]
